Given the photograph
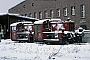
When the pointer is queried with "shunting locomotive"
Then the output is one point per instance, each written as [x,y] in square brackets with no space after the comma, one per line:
[54,31]
[21,31]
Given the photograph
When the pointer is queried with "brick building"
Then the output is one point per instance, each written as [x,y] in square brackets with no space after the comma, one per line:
[77,10]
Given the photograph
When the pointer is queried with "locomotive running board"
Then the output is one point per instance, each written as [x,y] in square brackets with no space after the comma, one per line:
[23,39]
[51,39]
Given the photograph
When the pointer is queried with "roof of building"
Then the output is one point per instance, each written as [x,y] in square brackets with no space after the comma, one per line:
[19,16]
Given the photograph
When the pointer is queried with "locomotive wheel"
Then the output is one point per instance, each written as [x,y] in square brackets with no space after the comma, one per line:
[80,41]
[47,42]
[67,43]
[21,41]
[30,40]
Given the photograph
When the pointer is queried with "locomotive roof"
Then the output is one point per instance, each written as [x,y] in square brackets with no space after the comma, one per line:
[41,21]
[14,24]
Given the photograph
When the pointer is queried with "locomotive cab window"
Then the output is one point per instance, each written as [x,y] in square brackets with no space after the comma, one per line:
[19,27]
[45,25]
[13,28]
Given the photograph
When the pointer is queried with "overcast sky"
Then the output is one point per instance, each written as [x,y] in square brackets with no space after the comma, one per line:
[7,4]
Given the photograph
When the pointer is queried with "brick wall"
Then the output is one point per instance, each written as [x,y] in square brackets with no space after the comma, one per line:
[32,6]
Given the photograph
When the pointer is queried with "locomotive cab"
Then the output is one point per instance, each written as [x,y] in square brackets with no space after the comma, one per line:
[20,31]
[40,27]
[61,32]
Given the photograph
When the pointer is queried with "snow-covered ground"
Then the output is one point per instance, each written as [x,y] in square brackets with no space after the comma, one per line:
[10,50]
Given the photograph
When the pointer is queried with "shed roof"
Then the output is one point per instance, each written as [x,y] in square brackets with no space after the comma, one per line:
[19,16]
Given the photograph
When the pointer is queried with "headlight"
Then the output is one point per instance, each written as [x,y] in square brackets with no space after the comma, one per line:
[26,36]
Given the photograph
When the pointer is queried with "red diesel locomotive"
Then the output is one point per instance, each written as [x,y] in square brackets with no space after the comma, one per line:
[21,31]
[52,30]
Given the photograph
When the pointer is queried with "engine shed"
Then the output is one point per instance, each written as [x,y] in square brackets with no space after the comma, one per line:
[8,18]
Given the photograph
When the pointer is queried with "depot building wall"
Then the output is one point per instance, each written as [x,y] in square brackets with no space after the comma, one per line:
[77,10]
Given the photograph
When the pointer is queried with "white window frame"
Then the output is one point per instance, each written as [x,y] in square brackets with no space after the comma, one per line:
[35,15]
[73,10]
[40,15]
[65,12]
[46,14]
[30,14]
[58,12]
[51,13]
[82,11]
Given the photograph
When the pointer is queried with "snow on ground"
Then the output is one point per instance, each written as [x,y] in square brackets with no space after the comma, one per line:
[9,50]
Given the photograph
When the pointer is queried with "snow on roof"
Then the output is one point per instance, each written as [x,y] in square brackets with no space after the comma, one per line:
[68,21]
[1,14]
[52,20]
[40,21]
[17,15]
[55,19]
[14,24]
[28,17]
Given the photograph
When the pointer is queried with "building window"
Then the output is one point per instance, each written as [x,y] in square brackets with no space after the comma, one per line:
[51,13]
[30,15]
[65,11]
[23,6]
[40,15]
[58,12]
[45,14]
[35,15]
[82,11]
[32,4]
[73,10]
[25,14]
